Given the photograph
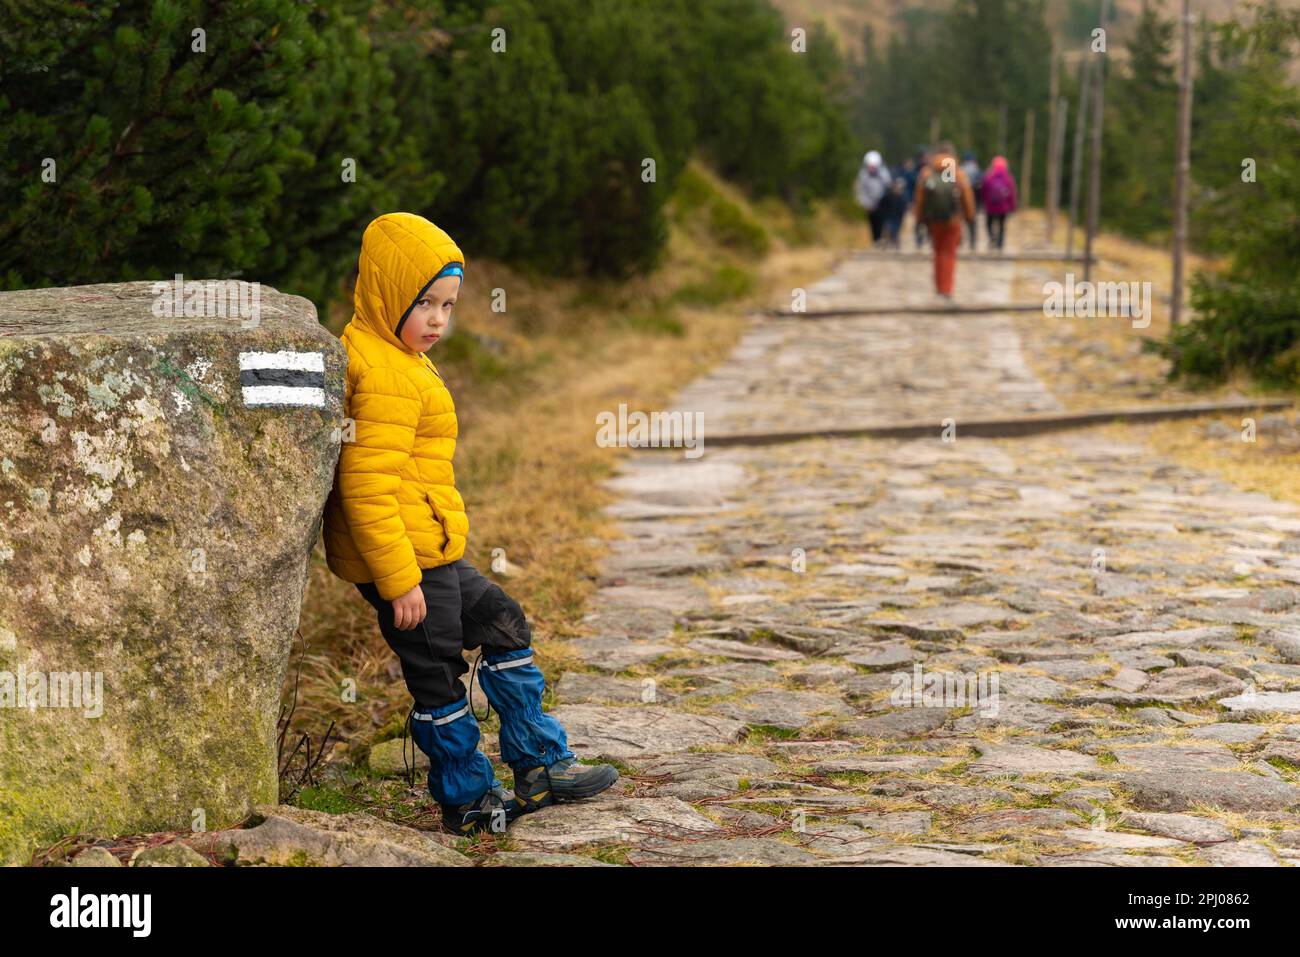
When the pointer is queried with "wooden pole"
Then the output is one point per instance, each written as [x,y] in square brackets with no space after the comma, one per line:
[1076,155]
[1053,130]
[1183,167]
[1094,161]
[1054,156]
[1027,161]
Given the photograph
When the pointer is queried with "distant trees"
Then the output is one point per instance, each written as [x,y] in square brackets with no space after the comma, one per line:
[1137,165]
[959,66]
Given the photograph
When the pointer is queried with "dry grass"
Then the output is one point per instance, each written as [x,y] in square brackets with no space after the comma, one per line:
[1270,464]
[1100,362]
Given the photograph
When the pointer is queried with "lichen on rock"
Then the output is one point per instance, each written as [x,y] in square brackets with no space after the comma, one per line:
[155,534]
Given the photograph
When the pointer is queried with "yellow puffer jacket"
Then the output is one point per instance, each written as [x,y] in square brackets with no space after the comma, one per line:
[394,508]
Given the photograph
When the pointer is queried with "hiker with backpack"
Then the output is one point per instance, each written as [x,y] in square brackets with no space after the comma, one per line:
[944,199]
[870,188]
[999,190]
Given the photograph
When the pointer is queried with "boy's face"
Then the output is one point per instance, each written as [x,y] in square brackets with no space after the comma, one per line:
[428,320]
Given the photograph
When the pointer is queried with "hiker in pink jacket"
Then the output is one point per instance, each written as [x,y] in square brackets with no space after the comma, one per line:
[999,191]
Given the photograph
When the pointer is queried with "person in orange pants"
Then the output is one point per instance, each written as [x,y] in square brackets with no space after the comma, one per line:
[944,201]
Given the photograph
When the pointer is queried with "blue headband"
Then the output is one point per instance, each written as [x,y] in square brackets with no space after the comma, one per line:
[451,269]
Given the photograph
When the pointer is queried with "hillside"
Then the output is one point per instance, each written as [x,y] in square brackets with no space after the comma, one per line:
[1070,19]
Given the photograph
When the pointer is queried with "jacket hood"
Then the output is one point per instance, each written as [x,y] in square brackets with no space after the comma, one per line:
[401,254]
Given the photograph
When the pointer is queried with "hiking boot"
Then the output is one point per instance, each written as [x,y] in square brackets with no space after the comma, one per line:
[494,812]
[565,780]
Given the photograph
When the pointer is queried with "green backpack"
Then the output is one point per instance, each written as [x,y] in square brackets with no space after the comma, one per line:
[942,198]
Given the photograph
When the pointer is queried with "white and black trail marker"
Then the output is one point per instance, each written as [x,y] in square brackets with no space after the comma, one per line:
[282,378]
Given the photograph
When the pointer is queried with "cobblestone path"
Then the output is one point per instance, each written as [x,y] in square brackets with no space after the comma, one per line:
[1038,651]
[876,370]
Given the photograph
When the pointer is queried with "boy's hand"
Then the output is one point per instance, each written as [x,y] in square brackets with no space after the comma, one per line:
[409,610]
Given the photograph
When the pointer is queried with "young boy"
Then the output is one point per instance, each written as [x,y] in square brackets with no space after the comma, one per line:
[395,525]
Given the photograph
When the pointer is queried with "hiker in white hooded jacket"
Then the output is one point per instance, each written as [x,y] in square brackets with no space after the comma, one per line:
[870,188]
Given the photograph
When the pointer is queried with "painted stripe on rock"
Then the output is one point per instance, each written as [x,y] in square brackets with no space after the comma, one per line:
[255,395]
[293,377]
[282,378]
[301,361]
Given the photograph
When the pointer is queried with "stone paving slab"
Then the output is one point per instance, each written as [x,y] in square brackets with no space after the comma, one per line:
[563,827]
[629,732]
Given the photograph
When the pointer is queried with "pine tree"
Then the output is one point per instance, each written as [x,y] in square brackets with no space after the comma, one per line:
[1249,316]
[1140,134]
[147,139]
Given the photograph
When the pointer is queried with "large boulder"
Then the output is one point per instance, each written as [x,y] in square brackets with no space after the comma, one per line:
[162,481]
